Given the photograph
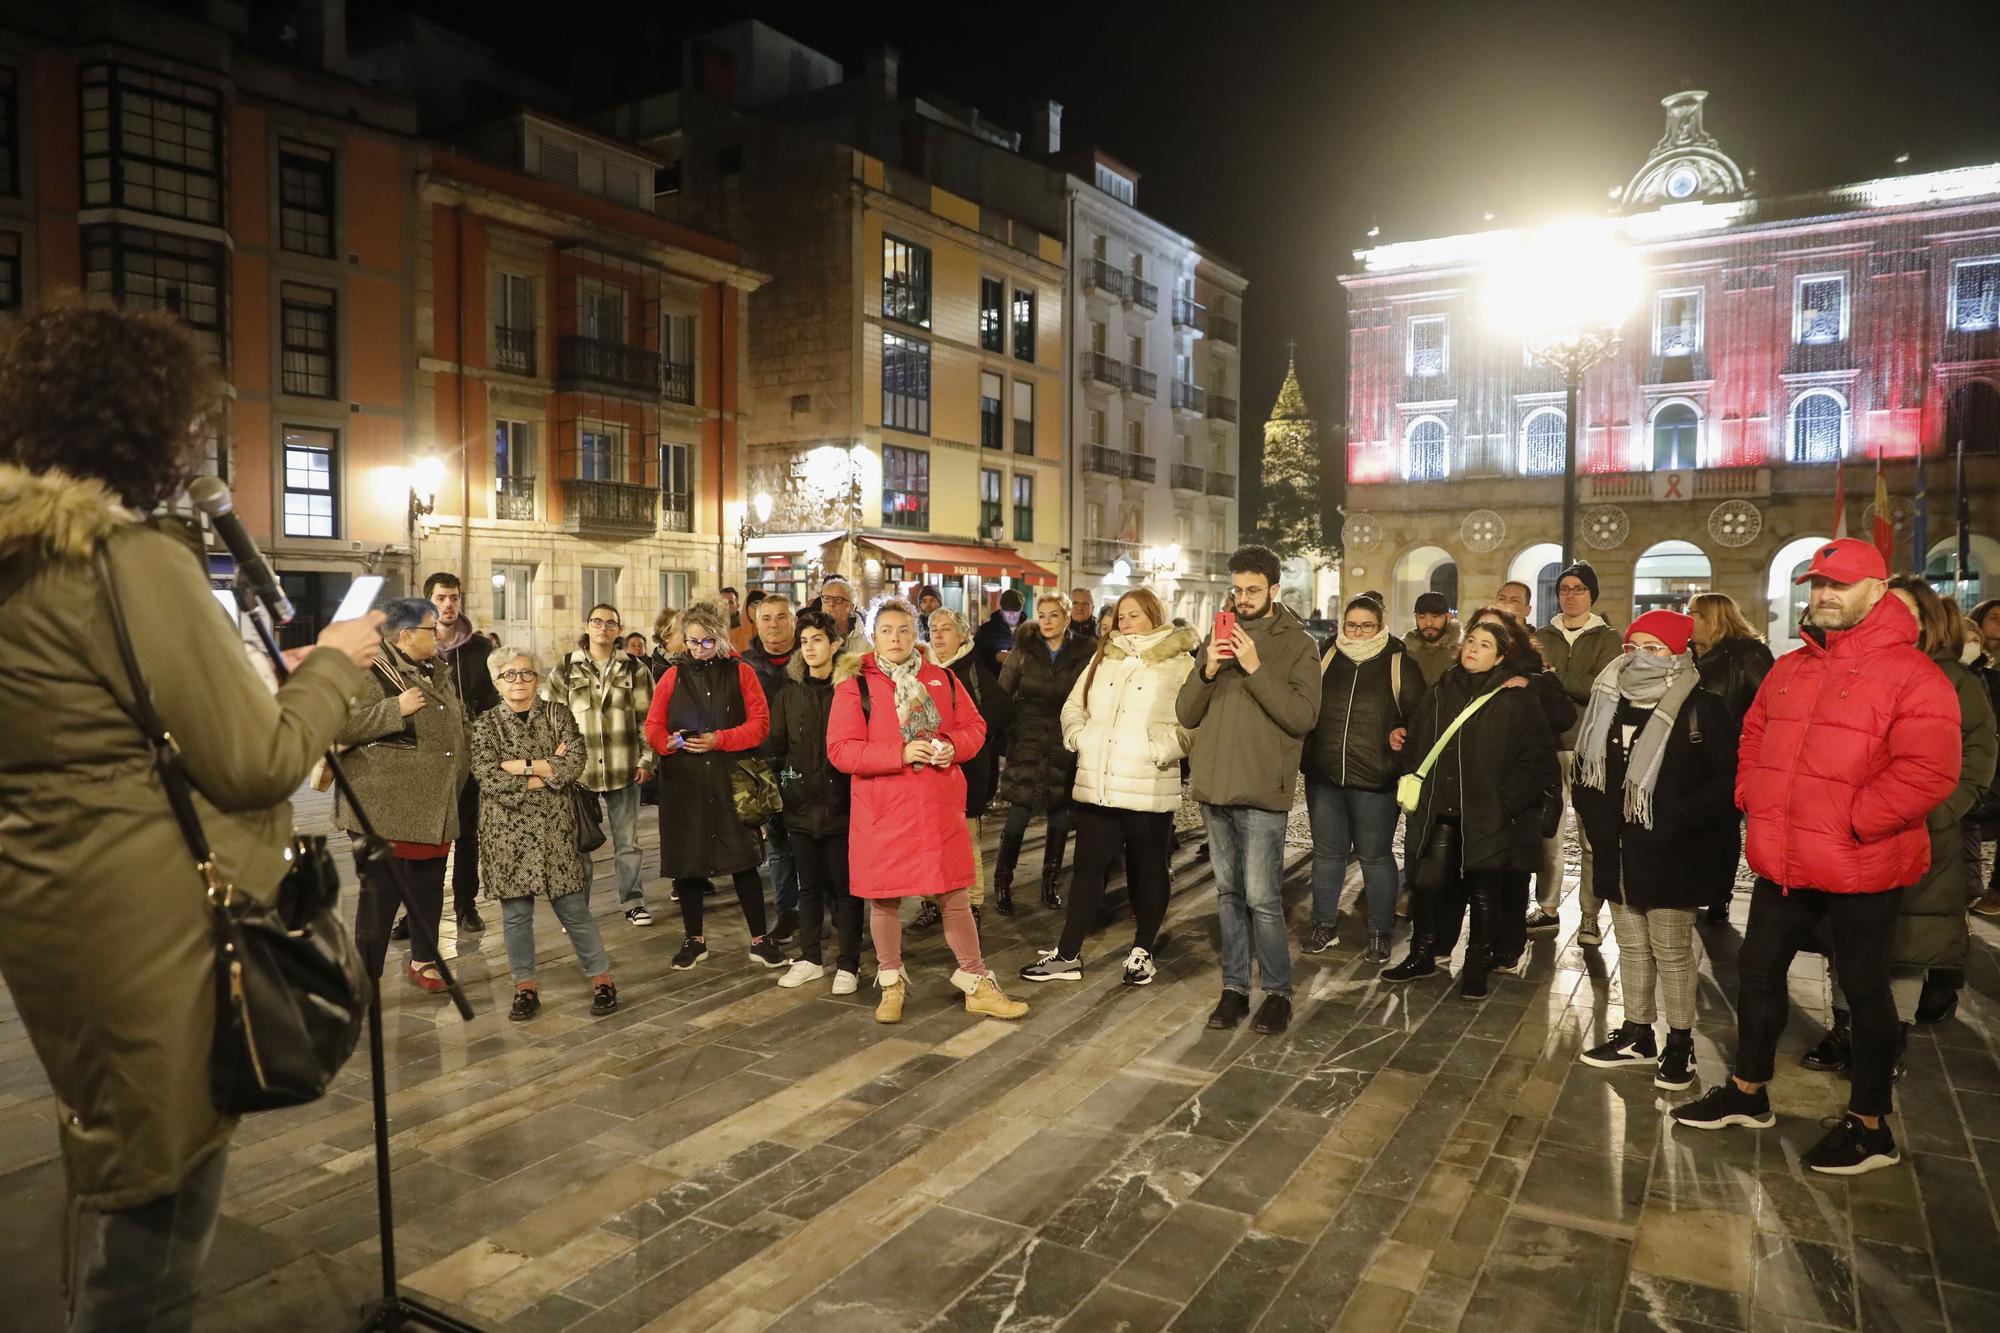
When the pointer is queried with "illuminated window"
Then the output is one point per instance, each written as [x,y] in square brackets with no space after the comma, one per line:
[1676,436]
[1024,324]
[1542,450]
[1677,324]
[1821,314]
[906,384]
[906,488]
[1425,455]
[1429,340]
[992,429]
[311,506]
[992,314]
[600,451]
[1975,295]
[1024,507]
[906,282]
[1819,427]
[989,500]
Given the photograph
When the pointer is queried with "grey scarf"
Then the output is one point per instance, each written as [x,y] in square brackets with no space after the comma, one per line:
[1662,682]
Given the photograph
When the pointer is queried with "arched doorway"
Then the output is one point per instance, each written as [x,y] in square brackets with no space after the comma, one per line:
[1941,569]
[1420,570]
[1667,574]
[1972,414]
[1787,599]
[1538,567]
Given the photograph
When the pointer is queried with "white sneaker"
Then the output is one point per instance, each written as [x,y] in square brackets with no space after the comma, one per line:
[845,982]
[799,973]
[639,916]
[1139,969]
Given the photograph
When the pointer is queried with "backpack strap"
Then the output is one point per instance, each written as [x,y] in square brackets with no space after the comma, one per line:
[1396,683]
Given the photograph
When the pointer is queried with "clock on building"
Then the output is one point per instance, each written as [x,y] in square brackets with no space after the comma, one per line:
[1682,182]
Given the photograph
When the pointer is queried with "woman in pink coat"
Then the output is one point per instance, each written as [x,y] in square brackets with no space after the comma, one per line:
[901,727]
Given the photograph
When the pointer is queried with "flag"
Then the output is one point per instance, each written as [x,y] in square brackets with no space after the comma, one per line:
[1839,502]
[1920,525]
[1883,532]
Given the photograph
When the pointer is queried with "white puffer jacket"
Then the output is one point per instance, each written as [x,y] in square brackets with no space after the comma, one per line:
[1121,722]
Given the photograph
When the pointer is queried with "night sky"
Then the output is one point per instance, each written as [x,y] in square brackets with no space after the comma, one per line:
[1278,133]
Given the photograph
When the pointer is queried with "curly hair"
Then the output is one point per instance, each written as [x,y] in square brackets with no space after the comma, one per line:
[109,394]
[711,616]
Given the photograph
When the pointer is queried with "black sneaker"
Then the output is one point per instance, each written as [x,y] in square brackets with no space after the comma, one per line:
[692,952]
[401,930]
[926,917]
[788,926]
[1724,1105]
[767,953]
[1321,938]
[1417,963]
[1850,1148]
[1543,923]
[1229,1011]
[1834,1051]
[527,1003]
[1274,1015]
[1675,1071]
[1378,947]
[603,1000]
[1717,914]
[1052,966]
[469,922]
[1631,1045]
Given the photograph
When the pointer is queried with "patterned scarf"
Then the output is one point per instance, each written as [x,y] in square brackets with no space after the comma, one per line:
[915,712]
[1664,683]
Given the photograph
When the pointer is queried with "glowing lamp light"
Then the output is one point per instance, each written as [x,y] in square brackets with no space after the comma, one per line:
[499,580]
[761,504]
[426,477]
[1562,285]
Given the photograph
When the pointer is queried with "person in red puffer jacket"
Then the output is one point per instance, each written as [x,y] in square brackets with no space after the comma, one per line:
[1852,741]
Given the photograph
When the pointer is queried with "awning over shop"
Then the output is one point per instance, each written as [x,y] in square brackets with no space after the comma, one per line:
[938,560]
[790,543]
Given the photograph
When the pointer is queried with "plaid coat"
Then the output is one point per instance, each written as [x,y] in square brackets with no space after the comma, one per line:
[609,706]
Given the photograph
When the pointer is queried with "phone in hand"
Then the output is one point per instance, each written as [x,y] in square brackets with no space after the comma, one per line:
[360,599]
[1225,630]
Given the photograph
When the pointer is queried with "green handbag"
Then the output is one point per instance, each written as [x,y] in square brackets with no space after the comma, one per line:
[754,790]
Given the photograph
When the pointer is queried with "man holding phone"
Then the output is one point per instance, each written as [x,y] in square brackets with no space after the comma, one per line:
[1250,706]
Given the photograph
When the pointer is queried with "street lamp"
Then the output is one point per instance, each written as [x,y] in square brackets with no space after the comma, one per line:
[424,478]
[1564,290]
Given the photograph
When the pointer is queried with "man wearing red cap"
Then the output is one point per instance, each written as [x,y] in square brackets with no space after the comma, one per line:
[1852,741]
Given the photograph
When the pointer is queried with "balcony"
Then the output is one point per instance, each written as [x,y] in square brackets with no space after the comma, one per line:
[1145,295]
[1100,553]
[1099,276]
[677,382]
[595,363]
[1186,478]
[1141,468]
[1218,564]
[612,509]
[1101,369]
[1223,484]
[1145,383]
[514,498]
[1190,314]
[676,511]
[1221,409]
[1189,398]
[1224,329]
[514,350]
[1102,461]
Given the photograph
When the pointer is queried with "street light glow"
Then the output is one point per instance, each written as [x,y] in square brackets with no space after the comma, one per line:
[1562,284]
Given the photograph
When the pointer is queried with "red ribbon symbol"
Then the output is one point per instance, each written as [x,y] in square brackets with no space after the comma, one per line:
[1673,486]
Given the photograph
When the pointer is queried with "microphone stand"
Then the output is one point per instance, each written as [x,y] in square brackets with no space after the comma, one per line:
[379,874]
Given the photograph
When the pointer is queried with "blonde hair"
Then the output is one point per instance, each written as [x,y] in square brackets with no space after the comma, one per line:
[1719,618]
[711,616]
[1052,599]
[951,617]
[896,605]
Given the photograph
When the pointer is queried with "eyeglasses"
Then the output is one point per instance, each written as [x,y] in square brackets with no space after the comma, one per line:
[1364,627]
[699,643]
[1572,590]
[514,673]
[595,623]
[428,629]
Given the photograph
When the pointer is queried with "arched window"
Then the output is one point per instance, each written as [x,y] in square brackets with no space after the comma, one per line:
[1972,414]
[1676,438]
[1542,452]
[1425,452]
[1819,428]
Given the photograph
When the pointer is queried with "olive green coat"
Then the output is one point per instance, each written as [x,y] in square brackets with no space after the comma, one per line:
[104,934]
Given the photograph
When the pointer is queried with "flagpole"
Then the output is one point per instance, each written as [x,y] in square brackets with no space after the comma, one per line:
[1964,507]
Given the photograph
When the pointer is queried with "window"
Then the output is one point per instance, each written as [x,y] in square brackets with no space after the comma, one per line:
[1117,186]
[151,143]
[513,470]
[1975,295]
[1818,425]
[1099,336]
[1677,323]
[989,501]
[310,506]
[150,270]
[1138,265]
[305,199]
[306,341]
[1096,426]
[1024,507]
[677,357]
[1136,353]
[1676,437]
[992,428]
[601,313]
[906,282]
[1093,519]
[1543,450]
[1821,314]
[1024,416]
[514,324]
[10,133]
[1024,324]
[558,161]
[906,488]
[600,451]
[1428,340]
[906,384]
[992,314]
[676,588]
[600,587]
[676,496]
[1426,460]
[10,270]
[1135,437]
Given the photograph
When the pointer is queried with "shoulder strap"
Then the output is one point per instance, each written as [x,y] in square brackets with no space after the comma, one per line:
[866,696]
[1396,683]
[1423,769]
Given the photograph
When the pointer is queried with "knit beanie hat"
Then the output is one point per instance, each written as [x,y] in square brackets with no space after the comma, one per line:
[1432,604]
[1669,627]
[1582,573]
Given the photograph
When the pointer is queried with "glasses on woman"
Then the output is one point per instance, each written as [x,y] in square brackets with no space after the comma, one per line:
[518,674]
[596,623]
[700,643]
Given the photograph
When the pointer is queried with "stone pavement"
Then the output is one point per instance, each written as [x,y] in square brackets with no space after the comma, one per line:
[721,1154]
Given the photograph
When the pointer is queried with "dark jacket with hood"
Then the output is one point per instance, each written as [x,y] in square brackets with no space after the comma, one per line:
[468,661]
[1930,926]
[1040,770]
[982,771]
[1734,668]
[1349,744]
[1492,775]
[816,793]
[772,674]
[994,637]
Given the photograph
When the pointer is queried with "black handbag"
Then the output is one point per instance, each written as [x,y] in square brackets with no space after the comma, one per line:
[589,811]
[291,992]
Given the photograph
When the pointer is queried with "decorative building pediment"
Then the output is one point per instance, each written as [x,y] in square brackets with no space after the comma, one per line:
[1687,165]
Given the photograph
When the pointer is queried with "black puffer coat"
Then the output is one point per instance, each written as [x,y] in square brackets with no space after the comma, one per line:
[1930,922]
[816,793]
[1040,770]
[1492,774]
[772,674]
[1733,668]
[982,771]
[1694,810]
[700,835]
[1349,745]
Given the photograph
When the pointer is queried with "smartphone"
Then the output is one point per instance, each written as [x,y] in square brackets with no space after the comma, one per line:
[360,599]
[1225,630]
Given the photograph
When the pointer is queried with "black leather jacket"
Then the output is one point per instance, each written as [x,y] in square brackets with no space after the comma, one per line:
[1734,668]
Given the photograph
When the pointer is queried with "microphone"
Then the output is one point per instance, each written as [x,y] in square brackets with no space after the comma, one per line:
[211,497]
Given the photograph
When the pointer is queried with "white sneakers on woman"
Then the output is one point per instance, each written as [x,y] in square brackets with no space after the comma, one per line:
[802,971]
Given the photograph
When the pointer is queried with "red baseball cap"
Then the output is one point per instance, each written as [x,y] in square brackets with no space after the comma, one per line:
[1846,560]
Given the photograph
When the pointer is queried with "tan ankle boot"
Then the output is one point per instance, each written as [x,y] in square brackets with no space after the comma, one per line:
[986,998]
[895,989]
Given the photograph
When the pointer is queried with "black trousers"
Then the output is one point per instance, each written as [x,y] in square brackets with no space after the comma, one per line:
[375,910]
[822,866]
[1016,828]
[465,852]
[1863,930]
[1145,839]
[749,893]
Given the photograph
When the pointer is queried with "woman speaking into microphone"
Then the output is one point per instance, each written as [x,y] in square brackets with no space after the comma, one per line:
[107,949]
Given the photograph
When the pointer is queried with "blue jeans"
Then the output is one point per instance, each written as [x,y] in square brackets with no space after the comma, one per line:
[1246,847]
[1343,818]
[621,812]
[141,1267]
[517,917]
[784,869]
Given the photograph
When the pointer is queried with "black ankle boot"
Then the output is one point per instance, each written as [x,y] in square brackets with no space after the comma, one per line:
[1417,963]
[1003,892]
[1478,949]
[1050,898]
[1835,1049]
